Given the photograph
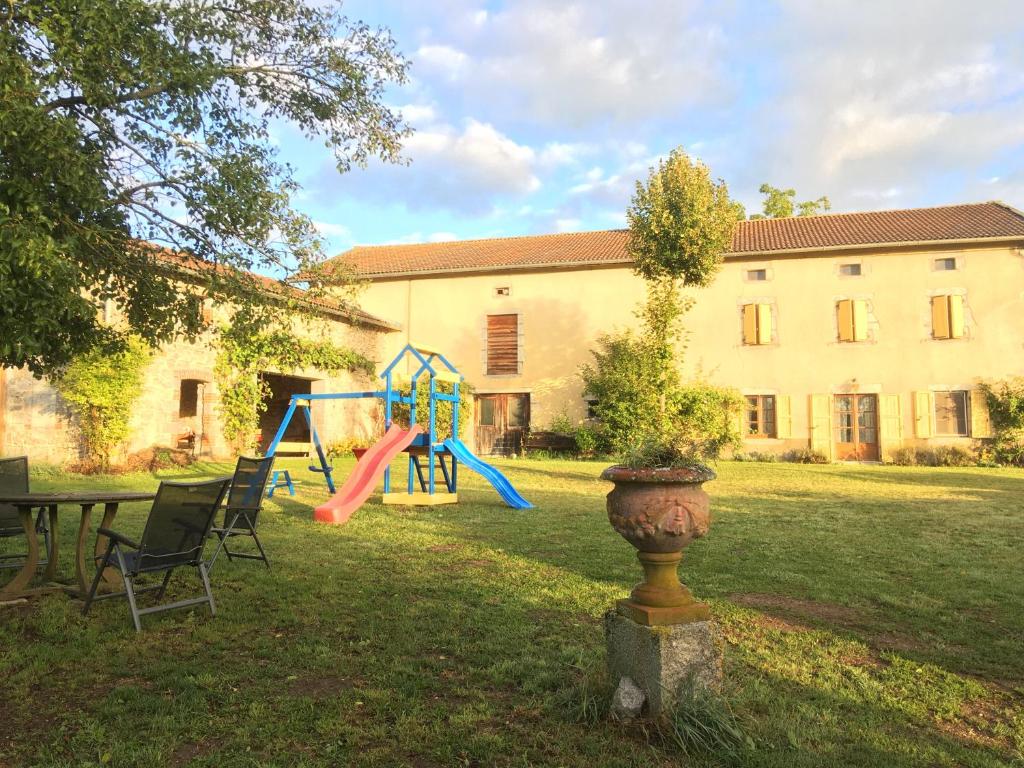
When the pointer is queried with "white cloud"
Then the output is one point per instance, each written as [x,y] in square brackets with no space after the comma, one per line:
[329,229]
[445,60]
[567,225]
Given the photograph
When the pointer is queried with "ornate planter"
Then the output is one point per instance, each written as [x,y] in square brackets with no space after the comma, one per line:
[660,511]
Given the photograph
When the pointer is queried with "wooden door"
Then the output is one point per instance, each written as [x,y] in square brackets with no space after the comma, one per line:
[502,421]
[856,425]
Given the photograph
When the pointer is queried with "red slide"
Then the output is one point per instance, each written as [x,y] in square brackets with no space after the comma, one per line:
[364,478]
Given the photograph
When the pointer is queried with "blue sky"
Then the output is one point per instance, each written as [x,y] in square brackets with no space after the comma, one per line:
[539,116]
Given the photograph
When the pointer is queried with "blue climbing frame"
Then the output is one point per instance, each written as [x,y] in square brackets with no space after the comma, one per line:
[438,368]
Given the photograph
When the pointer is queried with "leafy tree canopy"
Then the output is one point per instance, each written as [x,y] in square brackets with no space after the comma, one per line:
[127,121]
[680,222]
[780,204]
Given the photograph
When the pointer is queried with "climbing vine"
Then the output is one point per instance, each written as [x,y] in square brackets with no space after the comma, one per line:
[247,347]
[100,388]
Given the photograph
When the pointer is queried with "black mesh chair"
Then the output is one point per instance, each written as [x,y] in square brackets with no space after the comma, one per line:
[179,524]
[14,479]
[241,513]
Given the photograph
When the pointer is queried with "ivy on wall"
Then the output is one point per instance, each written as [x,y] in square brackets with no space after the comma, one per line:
[245,348]
[1005,401]
[100,388]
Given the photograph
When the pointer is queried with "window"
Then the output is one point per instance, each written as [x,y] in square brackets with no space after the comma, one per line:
[852,319]
[947,317]
[849,270]
[188,398]
[502,345]
[757,275]
[945,264]
[761,416]
[951,413]
[486,412]
[591,409]
[503,290]
[757,324]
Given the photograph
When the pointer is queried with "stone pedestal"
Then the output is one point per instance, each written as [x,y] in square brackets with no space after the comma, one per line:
[660,659]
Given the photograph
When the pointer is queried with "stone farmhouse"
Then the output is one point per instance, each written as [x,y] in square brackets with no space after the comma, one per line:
[852,334]
[179,403]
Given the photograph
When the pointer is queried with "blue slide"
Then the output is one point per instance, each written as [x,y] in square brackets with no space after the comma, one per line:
[501,484]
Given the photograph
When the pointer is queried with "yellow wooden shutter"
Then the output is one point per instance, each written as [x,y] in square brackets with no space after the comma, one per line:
[923,409]
[940,317]
[764,323]
[956,317]
[750,323]
[844,311]
[783,417]
[860,320]
[981,425]
[890,422]
[820,423]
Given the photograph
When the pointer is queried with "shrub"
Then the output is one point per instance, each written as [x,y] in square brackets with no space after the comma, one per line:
[805,456]
[562,424]
[443,416]
[904,456]
[586,440]
[1005,401]
[945,456]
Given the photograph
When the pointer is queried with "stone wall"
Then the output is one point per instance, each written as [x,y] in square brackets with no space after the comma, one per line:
[35,422]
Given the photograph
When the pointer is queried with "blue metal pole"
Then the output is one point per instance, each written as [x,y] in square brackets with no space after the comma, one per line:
[455,436]
[284,425]
[319,449]
[411,468]
[387,424]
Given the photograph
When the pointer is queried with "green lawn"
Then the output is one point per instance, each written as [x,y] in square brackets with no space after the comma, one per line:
[873,616]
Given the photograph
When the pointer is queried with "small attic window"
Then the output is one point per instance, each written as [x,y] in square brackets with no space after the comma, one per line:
[756,275]
[849,270]
[945,264]
[503,290]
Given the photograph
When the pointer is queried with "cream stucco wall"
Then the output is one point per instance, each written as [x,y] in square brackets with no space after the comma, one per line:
[562,312]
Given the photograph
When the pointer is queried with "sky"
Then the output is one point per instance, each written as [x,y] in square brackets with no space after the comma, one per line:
[536,116]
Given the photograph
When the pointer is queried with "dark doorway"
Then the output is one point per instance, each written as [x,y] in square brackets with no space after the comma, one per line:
[296,437]
[501,423]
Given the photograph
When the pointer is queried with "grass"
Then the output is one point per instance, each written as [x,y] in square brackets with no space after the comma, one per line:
[873,617]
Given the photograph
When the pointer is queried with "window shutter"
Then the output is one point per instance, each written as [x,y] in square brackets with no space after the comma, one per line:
[924,407]
[821,424]
[764,323]
[502,344]
[981,424]
[783,416]
[940,317]
[956,317]
[750,323]
[890,422]
[860,320]
[844,310]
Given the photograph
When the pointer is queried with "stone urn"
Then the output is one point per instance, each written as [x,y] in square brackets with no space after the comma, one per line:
[660,511]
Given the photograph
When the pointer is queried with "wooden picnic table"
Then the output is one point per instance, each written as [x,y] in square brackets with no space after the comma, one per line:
[18,587]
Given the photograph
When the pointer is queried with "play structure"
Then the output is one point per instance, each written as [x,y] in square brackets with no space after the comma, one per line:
[422,445]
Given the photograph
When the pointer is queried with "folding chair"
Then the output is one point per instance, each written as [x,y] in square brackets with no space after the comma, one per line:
[176,531]
[241,513]
[14,479]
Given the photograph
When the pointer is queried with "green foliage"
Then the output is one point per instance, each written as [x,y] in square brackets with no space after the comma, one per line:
[443,415]
[123,121]
[703,723]
[1005,400]
[342,449]
[100,387]
[939,456]
[680,222]
[245,349]
[780,204]
[805,456]
[586,440]
[763,457]
[562,424]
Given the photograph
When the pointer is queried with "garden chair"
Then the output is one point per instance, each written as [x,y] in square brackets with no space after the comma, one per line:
[241,512]
[176,531]
[14,479]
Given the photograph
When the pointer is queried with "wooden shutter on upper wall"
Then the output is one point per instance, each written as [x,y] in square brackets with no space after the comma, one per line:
[923,409]
[820,423]
[940,317]
[890,422]
[844,313]
[783,417]
[750,323]
[981,424]
[956,317]
[860,320]
[764,323]
[502,344]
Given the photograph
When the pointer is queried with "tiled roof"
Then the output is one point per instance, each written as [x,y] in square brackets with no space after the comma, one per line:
[951,223]
[189,265]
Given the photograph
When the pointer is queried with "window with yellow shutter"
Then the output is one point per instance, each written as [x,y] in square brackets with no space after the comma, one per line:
[852,319]
[947,317]
[757,324]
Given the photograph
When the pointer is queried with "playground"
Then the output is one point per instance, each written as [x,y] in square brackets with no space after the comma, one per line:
[878,601]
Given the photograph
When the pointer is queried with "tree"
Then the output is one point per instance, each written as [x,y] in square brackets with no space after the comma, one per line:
[134,129]
[680,222]
[779,204]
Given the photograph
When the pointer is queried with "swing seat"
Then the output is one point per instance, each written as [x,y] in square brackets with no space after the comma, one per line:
[326,469]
